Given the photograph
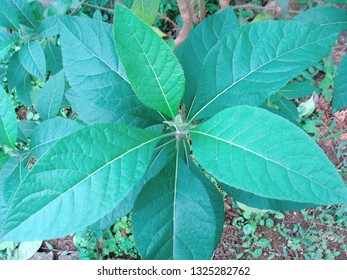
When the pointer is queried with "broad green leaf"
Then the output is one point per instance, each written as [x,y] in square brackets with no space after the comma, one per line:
[340,86]
[11,175]
[100,90]
[125,206]
[53,58]
[200,41]
[22,10]
[146,10]
[8,121]
[49,27]
[170,213]
[256,61]
[307,107]
[16,172]
[51,96]
[8,18]
[6,172]
[49,132]
[15,71]
[81,179]
[297,90]
[215,198]
[263,154]
[25,129]
[325,16]
[27,249]
[259,202]
[32,58]
[3,159]
[153,70]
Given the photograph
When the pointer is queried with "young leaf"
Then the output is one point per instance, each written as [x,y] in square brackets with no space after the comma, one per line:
[325,16]
[51,96]
[153,70]
[170,212]
[340,87]
[266,155]
[81,179]
[53,58]
[200,41]
[27,249]
[257,60]
[146,10]
[32,58]
[100,90]
[8,121]
[49,132]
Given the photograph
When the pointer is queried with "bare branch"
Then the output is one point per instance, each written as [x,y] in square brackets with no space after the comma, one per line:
[184,7]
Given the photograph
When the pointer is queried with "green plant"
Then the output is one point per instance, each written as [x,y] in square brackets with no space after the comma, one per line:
[114,242]
[138,145]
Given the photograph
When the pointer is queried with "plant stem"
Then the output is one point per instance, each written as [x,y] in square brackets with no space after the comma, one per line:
[79,5]
[184,7]
[224,4]
[202,10]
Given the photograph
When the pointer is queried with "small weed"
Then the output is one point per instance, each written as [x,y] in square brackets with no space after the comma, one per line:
[114,242]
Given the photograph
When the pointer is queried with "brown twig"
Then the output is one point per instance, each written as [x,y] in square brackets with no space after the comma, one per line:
[224,4]
[184,7]
[202,10]
[192,13]
[77,7]
[169,20]
[99,7]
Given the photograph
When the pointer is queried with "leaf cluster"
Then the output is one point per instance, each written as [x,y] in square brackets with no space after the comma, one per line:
[157,131]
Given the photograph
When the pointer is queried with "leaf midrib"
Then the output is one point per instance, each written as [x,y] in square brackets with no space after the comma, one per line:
[81,181]
[253,71]
[261,156]
[152,69]
[95,55]
[33,25]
